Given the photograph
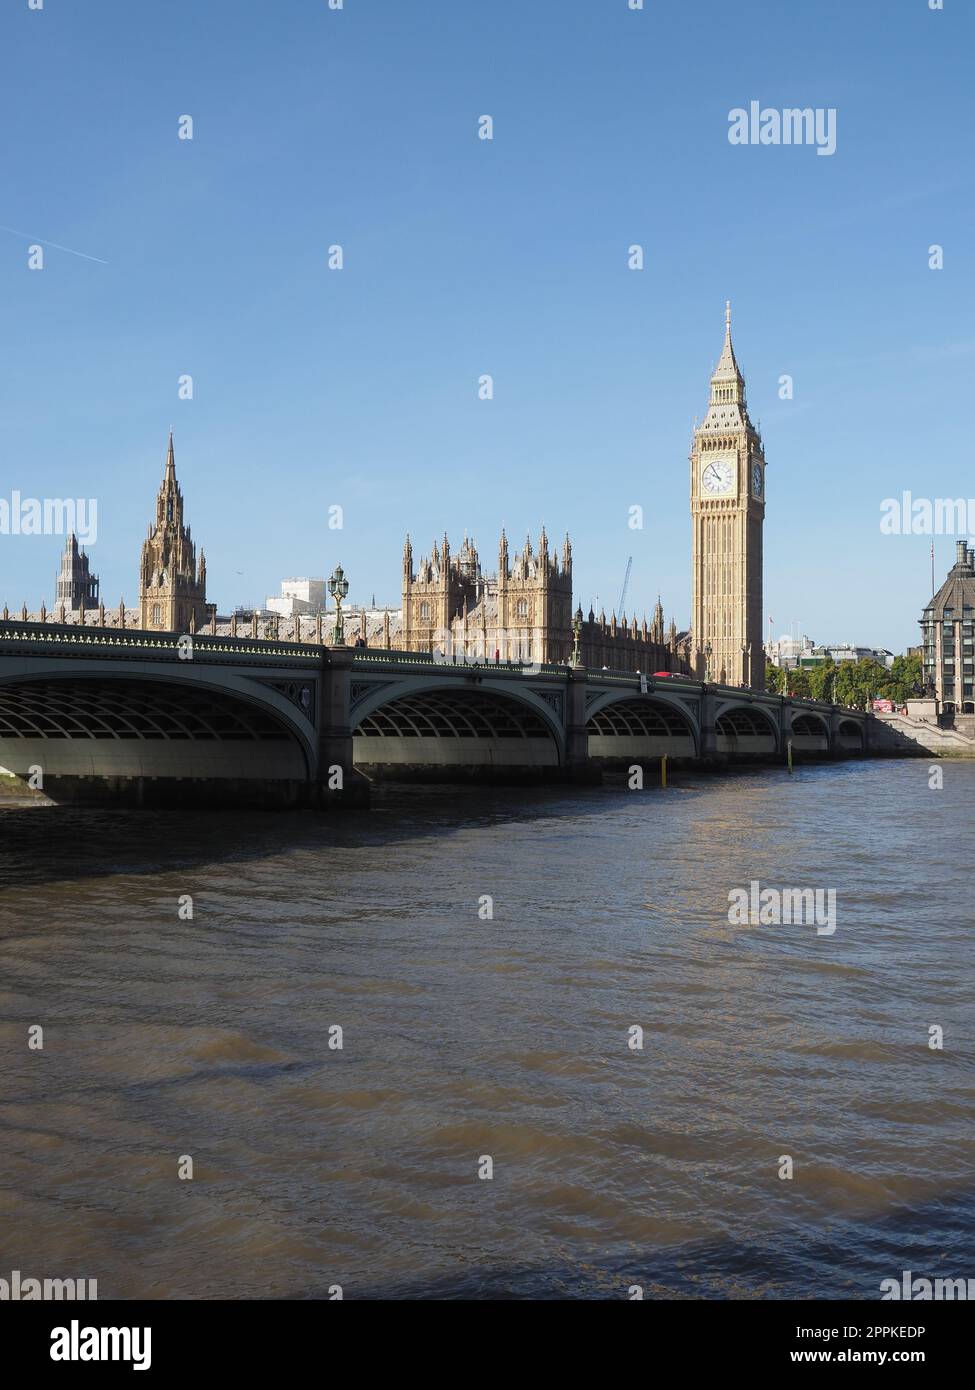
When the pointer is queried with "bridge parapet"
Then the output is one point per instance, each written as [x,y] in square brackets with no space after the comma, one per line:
[46,637]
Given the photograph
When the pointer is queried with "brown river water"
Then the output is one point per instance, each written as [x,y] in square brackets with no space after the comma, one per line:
[465,1037]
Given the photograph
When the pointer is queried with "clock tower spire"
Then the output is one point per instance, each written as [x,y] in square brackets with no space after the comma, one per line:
[727,512]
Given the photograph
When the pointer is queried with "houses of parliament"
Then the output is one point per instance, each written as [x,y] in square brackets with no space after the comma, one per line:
[523,609]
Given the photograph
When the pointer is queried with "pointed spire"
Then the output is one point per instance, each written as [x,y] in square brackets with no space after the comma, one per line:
[170,459]
[726,363]
[727,368]
[503,570]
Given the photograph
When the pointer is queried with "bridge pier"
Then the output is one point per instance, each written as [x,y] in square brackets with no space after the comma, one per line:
[709,725]
[337,783]
[785,728]
[835,719]
[578,765]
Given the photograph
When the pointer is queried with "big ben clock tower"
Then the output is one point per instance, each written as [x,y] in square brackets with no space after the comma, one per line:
[727,511]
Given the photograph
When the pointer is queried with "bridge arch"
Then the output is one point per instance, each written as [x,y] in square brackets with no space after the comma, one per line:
[745,729]
[448,727]
[809,731]
[105,724]
[629,725]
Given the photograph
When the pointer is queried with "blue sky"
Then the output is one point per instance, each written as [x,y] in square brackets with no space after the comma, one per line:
[359,387]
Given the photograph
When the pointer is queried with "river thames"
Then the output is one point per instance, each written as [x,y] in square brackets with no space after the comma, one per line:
[465,1036]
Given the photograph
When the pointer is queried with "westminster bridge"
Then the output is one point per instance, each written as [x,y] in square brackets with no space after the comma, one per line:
[147,717]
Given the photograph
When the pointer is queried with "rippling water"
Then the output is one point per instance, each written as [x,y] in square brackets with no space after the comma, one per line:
[465,1037]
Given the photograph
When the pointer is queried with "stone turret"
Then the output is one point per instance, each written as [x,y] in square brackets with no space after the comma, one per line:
[76,584]
[172,588]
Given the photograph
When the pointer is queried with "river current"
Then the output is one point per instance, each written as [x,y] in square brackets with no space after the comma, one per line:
[487,956]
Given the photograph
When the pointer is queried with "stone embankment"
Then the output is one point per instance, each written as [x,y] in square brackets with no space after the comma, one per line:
[899,733]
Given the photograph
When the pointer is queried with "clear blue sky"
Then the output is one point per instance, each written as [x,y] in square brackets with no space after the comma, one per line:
[464,257]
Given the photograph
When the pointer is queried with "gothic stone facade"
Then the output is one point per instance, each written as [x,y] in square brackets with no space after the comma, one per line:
[727,512]
[172,586]
[523,612]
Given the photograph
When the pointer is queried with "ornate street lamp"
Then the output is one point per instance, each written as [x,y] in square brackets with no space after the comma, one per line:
[707,661]
[576,634]
[338,587]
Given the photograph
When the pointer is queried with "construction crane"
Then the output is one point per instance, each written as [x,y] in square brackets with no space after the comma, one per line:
[626,583]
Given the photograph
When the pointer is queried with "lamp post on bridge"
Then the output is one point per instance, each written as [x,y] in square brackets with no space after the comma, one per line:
[708,649]
[338,587]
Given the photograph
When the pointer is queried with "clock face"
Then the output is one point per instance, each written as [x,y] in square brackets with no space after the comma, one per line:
[758,481]
[718,477]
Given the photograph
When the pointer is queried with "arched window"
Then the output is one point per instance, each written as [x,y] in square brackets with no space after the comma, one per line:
[156,615]
[424,612]
[522,609]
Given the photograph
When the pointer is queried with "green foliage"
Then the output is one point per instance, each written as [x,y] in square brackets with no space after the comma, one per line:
[905,678]
[774,679]
[854,683]
[860,682]
[822,680]
[799,681]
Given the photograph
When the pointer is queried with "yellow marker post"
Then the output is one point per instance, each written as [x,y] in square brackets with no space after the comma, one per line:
[663,770]
[789,751]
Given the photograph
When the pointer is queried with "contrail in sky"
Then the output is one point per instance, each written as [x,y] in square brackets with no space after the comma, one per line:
[40,242]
